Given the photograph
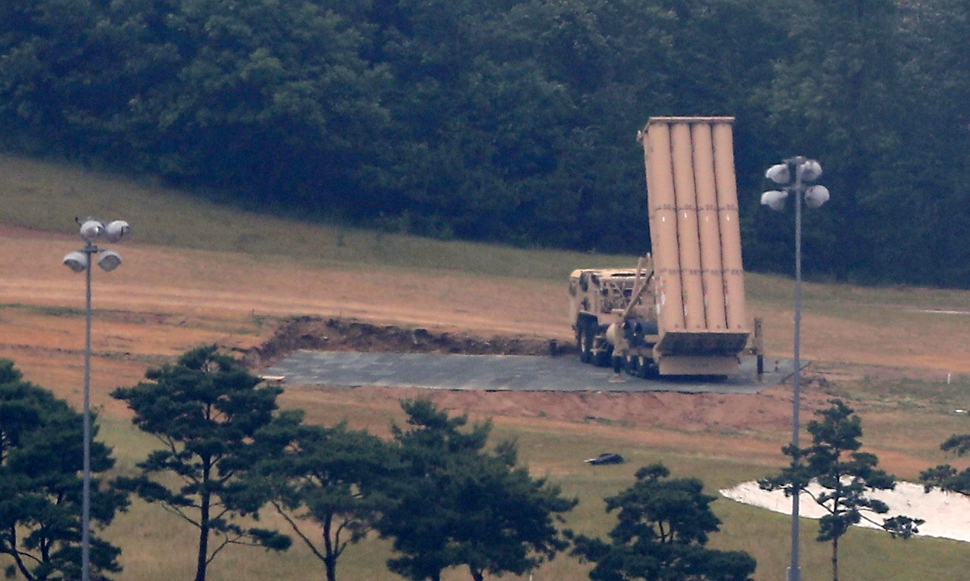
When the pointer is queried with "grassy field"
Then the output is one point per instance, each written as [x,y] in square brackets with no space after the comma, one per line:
[47,197]
[199,273]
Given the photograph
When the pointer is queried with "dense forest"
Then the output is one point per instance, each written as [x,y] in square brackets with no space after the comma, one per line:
[515,120]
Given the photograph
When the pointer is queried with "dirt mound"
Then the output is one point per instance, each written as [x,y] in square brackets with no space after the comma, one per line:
[333,334]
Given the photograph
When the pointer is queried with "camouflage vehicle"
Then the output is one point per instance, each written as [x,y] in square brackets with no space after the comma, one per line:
[681,311]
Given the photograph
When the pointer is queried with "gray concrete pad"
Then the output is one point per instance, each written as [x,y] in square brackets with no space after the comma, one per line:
[502,373]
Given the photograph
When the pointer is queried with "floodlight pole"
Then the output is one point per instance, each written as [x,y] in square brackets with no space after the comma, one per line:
[796,165]
[792,174]
[77,261]
[89,251]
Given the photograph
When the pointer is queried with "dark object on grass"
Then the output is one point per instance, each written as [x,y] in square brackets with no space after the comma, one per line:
[607,458]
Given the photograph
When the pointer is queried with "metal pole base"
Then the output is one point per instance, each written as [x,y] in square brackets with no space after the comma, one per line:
[794,574]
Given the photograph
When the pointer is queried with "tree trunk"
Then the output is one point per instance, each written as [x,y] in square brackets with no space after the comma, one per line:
[330,557]
[203,558]
[477,575]
[16,556]
[835,559]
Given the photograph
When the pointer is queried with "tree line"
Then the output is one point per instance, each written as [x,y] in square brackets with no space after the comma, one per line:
[514,120]
[436,489]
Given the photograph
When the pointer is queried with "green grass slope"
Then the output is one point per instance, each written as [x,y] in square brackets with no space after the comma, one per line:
[47,196]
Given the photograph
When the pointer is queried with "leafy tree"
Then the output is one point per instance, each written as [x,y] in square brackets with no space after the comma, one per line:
[512,120]
[41,456]
[47,55]
[330,477]
[946,477]
[834,97]
[457,504]
[204,410]
[662,529]
[935,88]
[845,475]
[250,93]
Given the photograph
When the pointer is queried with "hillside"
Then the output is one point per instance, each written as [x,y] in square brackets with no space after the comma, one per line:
[514,121]
[195,273]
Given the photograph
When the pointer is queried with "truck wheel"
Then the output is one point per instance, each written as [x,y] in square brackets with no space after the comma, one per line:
[618,362]
[633,365]
[648,368]
[603,358]
[585,340]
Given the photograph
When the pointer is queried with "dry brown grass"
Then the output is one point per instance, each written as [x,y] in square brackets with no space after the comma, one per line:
[166,300]
[869,345]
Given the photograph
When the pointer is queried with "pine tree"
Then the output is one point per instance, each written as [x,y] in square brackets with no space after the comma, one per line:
[845,475]
[204,410]
[661,533]
[41,457]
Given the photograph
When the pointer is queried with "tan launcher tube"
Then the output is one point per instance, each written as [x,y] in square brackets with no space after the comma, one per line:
[663,226]
[727,211]
[712,274]
[687,236]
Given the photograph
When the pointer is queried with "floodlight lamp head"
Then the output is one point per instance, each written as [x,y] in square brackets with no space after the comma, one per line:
[76,261]
[109,260]
[811,170]
[116,230]
[91,229]
[779,174]
[774,199]
[815,196]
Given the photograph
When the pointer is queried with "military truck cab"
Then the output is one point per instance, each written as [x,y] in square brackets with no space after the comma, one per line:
[615,317]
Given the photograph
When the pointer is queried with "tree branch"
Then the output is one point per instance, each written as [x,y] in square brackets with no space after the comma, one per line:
[224,544]
[16,554]
[299,533]
[178,512]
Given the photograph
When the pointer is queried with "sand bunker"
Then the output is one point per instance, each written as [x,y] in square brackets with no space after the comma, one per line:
[947,514]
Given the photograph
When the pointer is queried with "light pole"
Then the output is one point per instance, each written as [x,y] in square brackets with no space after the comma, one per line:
[91,230]
[794,174]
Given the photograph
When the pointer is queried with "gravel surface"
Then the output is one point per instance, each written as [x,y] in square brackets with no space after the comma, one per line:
[499,373]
